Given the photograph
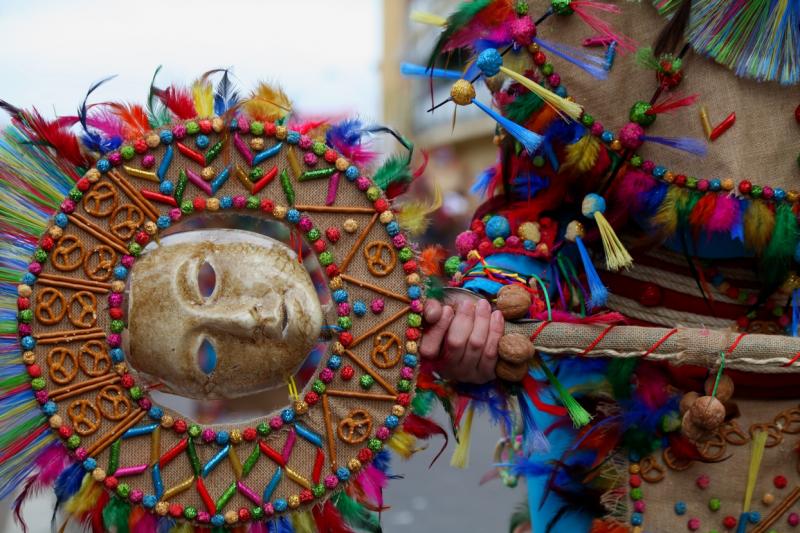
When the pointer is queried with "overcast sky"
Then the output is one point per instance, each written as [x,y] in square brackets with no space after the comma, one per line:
[325,54]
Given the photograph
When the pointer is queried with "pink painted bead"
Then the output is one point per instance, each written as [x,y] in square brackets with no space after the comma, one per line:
[326,375]
[399,240]
[68,206]
[145,404]
[702,185]
[383,433]
[115,299]
[648,166]
[752,299]
[276,422]
[466,241]
[768,192]
[631,136]
[407,372]
[331,482]
[174,214]
[377,305]
[127,261]
[239,201]
[416,306]
[35,268]
[343,309]
[203,517]
[597,129]
[24,329]
[42,396]
[179,131]
[244,124]
[783,321]
[362,183]
[208,435]
[305,224]
[305,142]
[794,519]
[554,79]
[639,506]
[148,161]
[136,495]
[115,158]
[693,524]
[310,159]
[114,340]
[268,509]
[523,30]
[513,241]
[81,453]
[703,481]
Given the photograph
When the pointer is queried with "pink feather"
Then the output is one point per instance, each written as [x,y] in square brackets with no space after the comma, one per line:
[583,9]
[106,122]
[726,213]
[372,482]
[258,526]
[628,194]
[652,386]
[146,523]
[48,465]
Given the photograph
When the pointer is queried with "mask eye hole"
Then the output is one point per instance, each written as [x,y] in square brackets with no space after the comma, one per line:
[206,279]
[206,357]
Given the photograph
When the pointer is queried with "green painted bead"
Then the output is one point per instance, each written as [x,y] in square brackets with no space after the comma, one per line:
[192,127]
[404,385]
[405,254]
[127,152]
[73,442]
[373,193]
[26,315]
[639,114]
[756,191]
[194,430]
[636,161]
[135,249]
[117,326]
[257,513]
[253,202]
[345,322]
[75,194]
[190,513]
[521,7]
[636,494]
[256,173]
[547,69]
[318,387]
[318,490]
[135,392]
[325,258]
[257,128]
[187,207]
[40,256]
[313,234]
[538,161]
[562,7]
[37,383]
[375,445]
[414,320]
[498,242]
[714,504]
[366,381]
[691,182]
[777,311]
[319,148]
[670,422]
[451,265]
[587,120]
[263,429]
[123,489]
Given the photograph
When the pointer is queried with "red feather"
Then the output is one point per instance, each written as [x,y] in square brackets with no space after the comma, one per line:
[55,133]
[134,118]
[96,514]
[178,100]
[701,213]
[424,428]
[328,519]
[672,103]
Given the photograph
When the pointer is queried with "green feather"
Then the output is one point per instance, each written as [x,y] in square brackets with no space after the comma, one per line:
[434,288]
[619,376]
[395,168]
[422,403]
[356,515]
[684,205]
[460,18]
[115,515]
[520,517]
[778,255]
[523,107]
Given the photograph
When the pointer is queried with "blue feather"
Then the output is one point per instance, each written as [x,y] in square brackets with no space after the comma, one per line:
[686,144]
[68,482]
[527,185]
[487,397]
[652,199]
[283,525]
[382,461]
[533,440]
[165,524]
[481,184]
[594,65]
[226,96]
[345,133]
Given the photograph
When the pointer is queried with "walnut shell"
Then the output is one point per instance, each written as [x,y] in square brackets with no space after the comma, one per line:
[707,412]
[513,301]
[511,371]
[687,401]
[515,348]
[724,389]
[692,431]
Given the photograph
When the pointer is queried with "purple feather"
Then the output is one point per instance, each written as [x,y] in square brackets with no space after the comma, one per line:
[686,144]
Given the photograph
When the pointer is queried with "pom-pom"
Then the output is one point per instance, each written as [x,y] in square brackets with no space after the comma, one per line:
[523,30]
[631,136]
[498,226]
[466,241]
[489,62]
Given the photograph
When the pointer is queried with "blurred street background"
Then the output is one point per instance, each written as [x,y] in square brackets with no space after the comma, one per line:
[332,58]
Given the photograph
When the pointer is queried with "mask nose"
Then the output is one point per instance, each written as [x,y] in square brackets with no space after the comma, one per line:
[264,317]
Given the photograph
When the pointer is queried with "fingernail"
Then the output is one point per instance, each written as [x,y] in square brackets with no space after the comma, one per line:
[482,307]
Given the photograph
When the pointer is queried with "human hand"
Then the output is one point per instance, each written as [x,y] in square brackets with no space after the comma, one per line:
[462,342]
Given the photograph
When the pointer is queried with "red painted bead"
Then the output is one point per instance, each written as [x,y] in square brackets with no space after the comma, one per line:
[111,482]
[23,303]
[381,205]
[732,292]
[485,248]
[477,226]
[651,296]
[331,156]
[635,481]
[729,522]
[244,514]
[745,187]
[403,398]
[180,426]
[332,270]
[409,267]
[127,381]
[83,185]
[680,180]
[142,238]
[205,126]
[306,496]
[346,338]
[116,313]
[47,243]
[269,129]
[34,371]
[175,510]
[65,432]
[140,146]
[539,58]
[780,482]
[249,434]
[319,246]
[311,397]
[365,455]
[199,203]
[702,185]
[412,334]
[348,373]
[742,322]
[333,234]
[267,205]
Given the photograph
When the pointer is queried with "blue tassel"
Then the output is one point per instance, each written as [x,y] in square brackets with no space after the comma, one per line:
[528,139]
[409,69]
[590,63]
[533,440]
[685,144]
[598,291]
[795,311]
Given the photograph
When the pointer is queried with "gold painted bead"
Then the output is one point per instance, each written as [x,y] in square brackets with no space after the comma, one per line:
[768,499]
[208,173]
[167,421]
[411,346]
[574,230]
[473,255]
[120,368]
[792,196]
[412,279]
[231,517]
[462,92]
[162,508]
[217,124]
[300,407]
[29,358]
[55,232]
[280,132]
[386,217]
[637,529]
[350,225]
[336,283]
[258,143]
[616,145]
[150,227]
[342,164]
[55,421]
[117,286]
[634,468]
[529,231]
[212,204]
[24,290]
[279,212]
[727,184]
[398,410]
[354,464]
[152,140]
[337,348]
[293,501]
[533,48]
[98,474]
[93,175]
[236,436]
[669,177]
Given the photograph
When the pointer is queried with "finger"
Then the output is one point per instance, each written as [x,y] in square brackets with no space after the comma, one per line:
[477,341]
[433,311]
[458,336]
[489,357]
[431,345]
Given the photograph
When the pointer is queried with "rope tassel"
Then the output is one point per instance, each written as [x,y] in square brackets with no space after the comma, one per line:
[617,256]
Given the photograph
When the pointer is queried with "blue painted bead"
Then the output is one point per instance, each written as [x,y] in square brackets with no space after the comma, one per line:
[529,245]
[334,362]
[414,292]
[217,520]
[103,165]
[120,272]
[680,508]
[359,308]
[166,187]
[50,408]
[634,457]
[280,505]
[89,464]
[607,136]
[226,202]
[287,415]
[222,438]
[489,62]
[498,226]
[28,279]
[392,228]
[715,184]
[391,422]
[716,279]
[637,519]
[343,473]
[149,501]
[340,296]
[117,355]
[166,137]
[155,413]
[410,359]
[293,137]
[29,343]
[62,220]
[754,517]
[351,173]
[561,91]
[659,171]
[293,216]
[163,222]
[201,141]
[779,195]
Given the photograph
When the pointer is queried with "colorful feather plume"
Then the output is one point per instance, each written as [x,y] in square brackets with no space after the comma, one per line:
[413,215]
[268,103]
[178,100]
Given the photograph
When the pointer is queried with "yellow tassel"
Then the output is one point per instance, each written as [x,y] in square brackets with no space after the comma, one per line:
[413,215]
[561,105]
[85,499]
[303,522]
[428,18]
[759,221]
[757,446]
[581,156]
[203,95]
[403,444]
[460,457]
[616,255]
[268,103]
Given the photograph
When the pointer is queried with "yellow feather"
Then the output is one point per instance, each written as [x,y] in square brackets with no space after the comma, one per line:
[581,156]
[268,103]
[85,499]
[666,218]
[303,522]
[203,95]
[759,221]
[428,18]
[403,444]
[460,458]
[183,527]
[561,105]
[413,215]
